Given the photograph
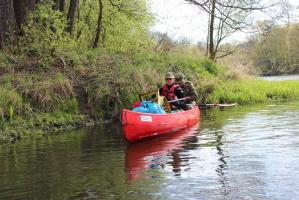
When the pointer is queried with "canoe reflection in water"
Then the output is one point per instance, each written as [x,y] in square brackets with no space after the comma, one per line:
[150,154]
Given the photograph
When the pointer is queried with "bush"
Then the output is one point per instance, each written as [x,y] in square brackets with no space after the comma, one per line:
[10,103]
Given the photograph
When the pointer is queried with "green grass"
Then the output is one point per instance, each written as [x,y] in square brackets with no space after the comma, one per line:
[11,103]
[252,91]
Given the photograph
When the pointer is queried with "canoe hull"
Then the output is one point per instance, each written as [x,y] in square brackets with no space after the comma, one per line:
[138,126]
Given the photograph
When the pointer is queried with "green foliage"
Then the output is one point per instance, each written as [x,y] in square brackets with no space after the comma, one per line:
[69,106]
[276,51]
[3,60]
[292,41]
[6,80]
[128,32]
[210,66]
[44,35]
[10,102]
[251,91]
[45,42]
[124,26]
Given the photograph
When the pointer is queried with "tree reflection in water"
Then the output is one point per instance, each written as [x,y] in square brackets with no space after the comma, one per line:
[222,167]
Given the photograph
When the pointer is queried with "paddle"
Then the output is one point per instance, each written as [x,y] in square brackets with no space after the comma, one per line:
[138,103]
[205,105]
[176,100]
[217,105]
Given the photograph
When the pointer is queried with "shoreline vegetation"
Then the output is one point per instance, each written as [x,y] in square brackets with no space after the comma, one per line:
[72,97]
[52,80]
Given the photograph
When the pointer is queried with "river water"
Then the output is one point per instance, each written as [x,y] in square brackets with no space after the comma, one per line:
[238,153]
[280,78]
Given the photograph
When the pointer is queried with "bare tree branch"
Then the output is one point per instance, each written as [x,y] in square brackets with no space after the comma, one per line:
[225,18]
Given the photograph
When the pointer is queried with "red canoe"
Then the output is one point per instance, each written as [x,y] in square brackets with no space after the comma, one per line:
[137,126]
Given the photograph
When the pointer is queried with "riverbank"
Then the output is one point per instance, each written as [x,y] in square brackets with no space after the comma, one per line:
[40,125]
[250,91]
[70,92]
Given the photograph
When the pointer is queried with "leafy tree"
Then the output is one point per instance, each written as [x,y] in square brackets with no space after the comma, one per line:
[44,35]
[292,43]
[276,49]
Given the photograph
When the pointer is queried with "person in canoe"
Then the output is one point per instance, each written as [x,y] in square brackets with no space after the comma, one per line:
[187,87]
[172,91]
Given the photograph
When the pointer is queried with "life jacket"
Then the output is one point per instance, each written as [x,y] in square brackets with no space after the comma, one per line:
[169,93]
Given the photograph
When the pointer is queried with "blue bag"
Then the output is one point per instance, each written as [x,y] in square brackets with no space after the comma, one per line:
[149,107]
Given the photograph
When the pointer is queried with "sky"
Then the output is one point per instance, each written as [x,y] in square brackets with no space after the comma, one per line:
[182,20]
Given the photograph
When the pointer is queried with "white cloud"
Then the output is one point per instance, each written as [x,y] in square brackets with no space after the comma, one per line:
[178,19]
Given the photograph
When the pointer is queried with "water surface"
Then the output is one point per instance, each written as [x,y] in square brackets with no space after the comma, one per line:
[239,153]
[280,78]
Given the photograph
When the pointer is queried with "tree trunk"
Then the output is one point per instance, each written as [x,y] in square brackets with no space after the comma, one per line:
[208,38]
[7,20]
[21,9]
[71,15]
[56,4]
[99,27]
[61,5]
[211,29]
[208,34]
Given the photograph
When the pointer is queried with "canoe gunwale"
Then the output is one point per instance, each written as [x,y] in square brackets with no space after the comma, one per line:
[158,114]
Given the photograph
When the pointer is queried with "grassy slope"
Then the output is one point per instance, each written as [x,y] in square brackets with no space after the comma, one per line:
[252,91]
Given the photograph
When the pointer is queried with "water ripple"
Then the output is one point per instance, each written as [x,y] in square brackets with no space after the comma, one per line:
[241,153]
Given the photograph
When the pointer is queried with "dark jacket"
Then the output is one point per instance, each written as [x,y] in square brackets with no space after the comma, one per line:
[179,93]
[189,91]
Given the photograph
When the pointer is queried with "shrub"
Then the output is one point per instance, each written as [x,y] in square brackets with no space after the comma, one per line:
[44,35]
[10,103]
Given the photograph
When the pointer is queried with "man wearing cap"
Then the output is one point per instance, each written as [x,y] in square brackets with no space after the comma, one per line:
[172,91]
[187,87]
